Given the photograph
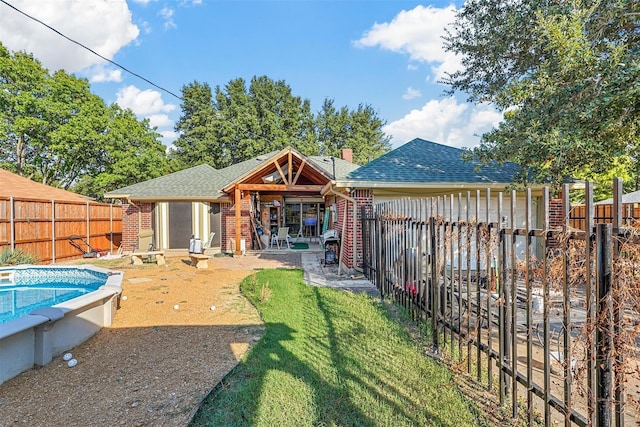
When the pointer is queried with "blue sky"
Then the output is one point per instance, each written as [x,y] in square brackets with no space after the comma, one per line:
[387,54]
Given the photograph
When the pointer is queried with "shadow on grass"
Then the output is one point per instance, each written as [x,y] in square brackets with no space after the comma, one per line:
[324,361]
[238,399]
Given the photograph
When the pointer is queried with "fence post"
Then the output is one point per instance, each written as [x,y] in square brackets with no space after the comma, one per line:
[380,267]
[12,222]
[618,308]
[53,231]
[603,325]
[110,228]
[566,306]
[88,224]
[434,287]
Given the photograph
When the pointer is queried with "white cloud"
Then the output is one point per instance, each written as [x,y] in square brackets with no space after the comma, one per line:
[167,14]
[418,33]
[142,103]
[159,120]
[168,138]
[169,134]
[149,104]
[104,27]
[446,122]
[146,27]
[102,74]
[411,93]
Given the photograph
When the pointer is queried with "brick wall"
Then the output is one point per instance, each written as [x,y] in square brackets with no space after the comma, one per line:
[229,224]
[135,217]
[556,220]
[362,197]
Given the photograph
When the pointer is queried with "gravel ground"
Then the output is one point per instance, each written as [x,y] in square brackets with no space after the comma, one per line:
[155,364]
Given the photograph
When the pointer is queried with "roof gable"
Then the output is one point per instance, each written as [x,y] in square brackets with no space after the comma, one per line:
[286,166]
[421,161]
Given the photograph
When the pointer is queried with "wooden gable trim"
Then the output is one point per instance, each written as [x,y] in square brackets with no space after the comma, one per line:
[284,179]
[289,183]
[280,187]
[304,162]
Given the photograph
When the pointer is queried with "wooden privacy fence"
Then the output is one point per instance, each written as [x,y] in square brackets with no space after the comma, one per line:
[551,329]
[44,228]
[604,213]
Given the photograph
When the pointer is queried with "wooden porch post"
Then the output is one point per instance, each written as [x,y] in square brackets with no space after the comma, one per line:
[238,199]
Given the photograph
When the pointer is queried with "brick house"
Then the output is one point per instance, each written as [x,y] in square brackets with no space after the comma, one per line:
[286,188]
[239,204]
[419,169]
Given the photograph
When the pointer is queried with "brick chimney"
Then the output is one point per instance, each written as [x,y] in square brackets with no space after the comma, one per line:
[347,154]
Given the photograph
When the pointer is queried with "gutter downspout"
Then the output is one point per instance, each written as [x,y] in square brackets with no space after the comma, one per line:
[354,231]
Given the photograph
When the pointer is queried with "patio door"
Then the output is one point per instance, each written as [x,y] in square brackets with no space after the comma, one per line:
[215,215]
[303,218]
[180,225]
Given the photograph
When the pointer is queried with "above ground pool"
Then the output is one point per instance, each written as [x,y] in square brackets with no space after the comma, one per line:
[47,310]
[24,290]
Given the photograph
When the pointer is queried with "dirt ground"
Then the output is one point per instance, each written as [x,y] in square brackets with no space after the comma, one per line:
[178,332]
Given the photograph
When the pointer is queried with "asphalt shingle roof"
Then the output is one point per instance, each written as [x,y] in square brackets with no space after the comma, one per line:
[343,167]
[201,181]
[204,181]
[421,161]
[234,172]
[633,197]
[15,185]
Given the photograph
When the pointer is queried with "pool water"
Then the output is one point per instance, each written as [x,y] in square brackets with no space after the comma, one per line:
[44,287]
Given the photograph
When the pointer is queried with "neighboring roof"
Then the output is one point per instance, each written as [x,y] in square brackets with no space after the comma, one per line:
[15,185]
[421,161]
[633,197]
[199,182]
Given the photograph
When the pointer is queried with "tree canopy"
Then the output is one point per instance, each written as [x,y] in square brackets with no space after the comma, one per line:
[565,73]
[239,121]
[54,130]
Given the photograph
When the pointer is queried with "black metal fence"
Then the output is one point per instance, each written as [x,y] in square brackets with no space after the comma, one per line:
[551,329]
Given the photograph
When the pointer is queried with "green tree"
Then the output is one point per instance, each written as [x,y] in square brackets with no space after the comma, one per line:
[359,130]
[54,130]
[332,128]
[71,142]
[131,152]
[240,121]
[565,72]
[235,122]
[196,143]
[51,125]
[22,87]
[282,118]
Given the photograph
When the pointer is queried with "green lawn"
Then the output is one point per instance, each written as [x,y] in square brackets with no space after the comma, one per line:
[331,358]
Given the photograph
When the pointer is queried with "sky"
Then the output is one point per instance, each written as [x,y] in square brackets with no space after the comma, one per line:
[386,54]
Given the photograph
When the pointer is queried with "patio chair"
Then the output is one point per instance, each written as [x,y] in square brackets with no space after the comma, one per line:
[209,243]
[282,236]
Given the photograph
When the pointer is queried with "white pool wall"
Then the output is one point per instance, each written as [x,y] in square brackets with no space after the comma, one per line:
[35,339]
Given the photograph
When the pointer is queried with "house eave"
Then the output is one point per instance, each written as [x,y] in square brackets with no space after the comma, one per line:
[423,185]
[170,198]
